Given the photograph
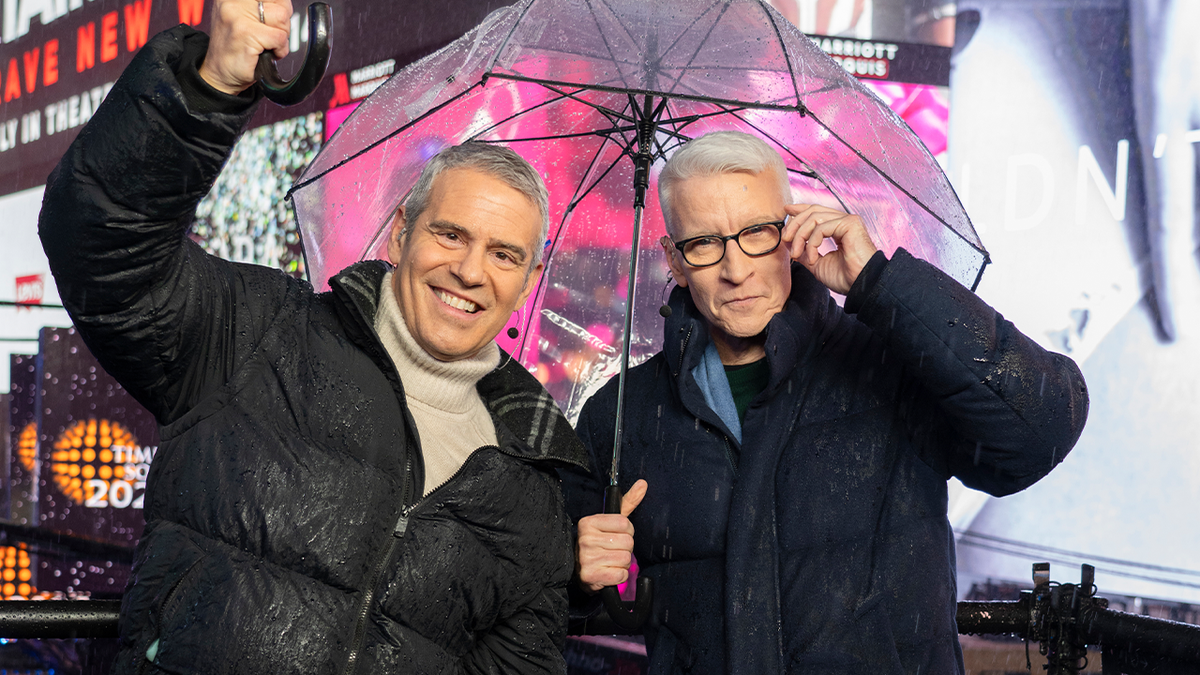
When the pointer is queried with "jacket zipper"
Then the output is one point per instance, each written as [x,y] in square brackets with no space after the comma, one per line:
[365,608]
[402,524]
[729,456]
[683,348]
[398,532]
[167,601]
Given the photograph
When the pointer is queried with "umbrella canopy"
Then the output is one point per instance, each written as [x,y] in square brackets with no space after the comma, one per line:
[570,84]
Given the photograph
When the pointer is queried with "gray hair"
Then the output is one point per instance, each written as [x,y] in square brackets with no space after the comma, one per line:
[717,153]
[494,160]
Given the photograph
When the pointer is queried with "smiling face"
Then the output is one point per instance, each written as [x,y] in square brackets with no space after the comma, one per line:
[740,294]
[464,267]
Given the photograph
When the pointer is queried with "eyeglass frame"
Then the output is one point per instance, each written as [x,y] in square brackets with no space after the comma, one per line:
[779,225]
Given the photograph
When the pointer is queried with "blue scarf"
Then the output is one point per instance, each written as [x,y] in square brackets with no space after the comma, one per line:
[710,375]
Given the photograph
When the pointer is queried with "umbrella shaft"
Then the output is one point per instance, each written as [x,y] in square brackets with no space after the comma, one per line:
[628,338]
[641,183]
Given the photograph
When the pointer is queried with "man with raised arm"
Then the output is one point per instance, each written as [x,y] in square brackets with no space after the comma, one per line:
[356,481]
[786,459]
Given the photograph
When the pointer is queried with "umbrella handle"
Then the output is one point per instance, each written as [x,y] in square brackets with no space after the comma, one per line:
[627,615]
[316,59]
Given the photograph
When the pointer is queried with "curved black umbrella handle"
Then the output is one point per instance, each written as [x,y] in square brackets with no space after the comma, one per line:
[618,610]
[316,59]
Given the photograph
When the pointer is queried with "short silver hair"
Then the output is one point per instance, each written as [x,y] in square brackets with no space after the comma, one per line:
[717,153]
[494,160]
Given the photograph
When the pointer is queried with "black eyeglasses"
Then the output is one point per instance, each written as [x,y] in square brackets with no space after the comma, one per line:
[755,240]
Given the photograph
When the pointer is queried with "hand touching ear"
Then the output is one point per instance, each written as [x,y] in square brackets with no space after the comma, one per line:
[810,225]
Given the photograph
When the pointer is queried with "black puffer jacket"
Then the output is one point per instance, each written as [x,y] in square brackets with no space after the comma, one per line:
[286,532]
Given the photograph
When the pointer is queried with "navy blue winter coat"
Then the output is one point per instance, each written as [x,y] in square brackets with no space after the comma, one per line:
[820,544]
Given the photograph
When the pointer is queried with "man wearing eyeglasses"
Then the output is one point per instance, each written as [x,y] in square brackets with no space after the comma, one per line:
[784,459]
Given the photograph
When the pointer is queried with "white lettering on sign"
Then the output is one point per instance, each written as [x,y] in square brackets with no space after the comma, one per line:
[119,494]
[1039,172]
[365,89]
[1113,196]
[135,455]
[125,492]
[8,135]
[74,111]
[299,32]
[18,14]
[30,289]
[863,67]
[373,71]
[31,126]
[863,48]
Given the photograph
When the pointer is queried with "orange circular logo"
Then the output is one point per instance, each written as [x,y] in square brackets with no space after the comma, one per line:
[15,572]
[27,447]
[98,463]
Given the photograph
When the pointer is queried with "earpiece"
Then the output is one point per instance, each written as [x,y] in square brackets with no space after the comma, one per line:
[512,333]
[665,310]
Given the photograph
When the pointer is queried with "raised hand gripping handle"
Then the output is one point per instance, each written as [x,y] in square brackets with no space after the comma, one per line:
[627,615]
[316,59]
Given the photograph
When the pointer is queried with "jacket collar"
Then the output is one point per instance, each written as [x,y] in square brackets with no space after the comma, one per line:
[793,334]
[529,414]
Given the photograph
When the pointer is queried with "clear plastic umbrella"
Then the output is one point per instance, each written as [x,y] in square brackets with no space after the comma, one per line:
[596,94]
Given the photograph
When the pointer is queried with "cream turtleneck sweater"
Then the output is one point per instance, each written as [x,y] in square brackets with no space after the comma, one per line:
[451,418]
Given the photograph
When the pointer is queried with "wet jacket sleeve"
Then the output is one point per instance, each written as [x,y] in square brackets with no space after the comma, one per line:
[987,404]
[167,320]
[529,641]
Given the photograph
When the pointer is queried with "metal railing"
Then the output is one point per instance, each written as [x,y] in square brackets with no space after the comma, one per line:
[35,619]
[1062,619]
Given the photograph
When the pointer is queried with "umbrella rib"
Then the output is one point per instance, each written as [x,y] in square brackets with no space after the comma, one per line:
[899,187]
[610,114]
[671,46]
[604,39]
[647,92]
[578,197]
[579,55]
[690,119]
[812,173]
[515,115]
[362,255]
[688,30]
[607,113]
[678,124]
[700,45]
[629,36]
[381,141]
[678,79]
[868,162]
[543,283]
[624,152]
[671,131]
[815,176]
[662,106]
[783,47]
[574,96]
[699,97]
[987,259]
[888,178]
[504,43]
[582,134]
